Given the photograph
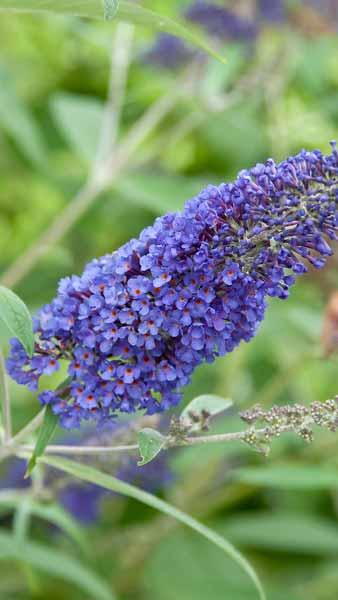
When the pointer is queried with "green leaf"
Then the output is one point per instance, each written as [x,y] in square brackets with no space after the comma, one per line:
[46,432]
[110,9]
[55,563]
[15,314]
[127,11]
[289,477]
[205,404]
[111,483]
[79,119]
[158,192]
[53,513]
[283,531]
[150,444]
[214,575]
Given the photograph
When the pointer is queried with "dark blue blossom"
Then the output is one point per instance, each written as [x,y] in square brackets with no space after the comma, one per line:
[221,22]
[204,275]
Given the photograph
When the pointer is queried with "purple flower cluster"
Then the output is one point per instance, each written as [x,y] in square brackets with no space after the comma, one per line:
[136,324]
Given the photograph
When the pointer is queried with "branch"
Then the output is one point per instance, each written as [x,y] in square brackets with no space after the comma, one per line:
[80,450]
[295,418]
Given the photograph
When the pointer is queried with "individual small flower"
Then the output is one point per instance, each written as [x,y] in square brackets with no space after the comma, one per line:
[202,277]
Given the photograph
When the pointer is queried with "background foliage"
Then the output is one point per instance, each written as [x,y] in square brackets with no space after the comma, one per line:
[271,98]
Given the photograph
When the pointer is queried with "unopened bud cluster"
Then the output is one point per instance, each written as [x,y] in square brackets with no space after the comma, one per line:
[265,425]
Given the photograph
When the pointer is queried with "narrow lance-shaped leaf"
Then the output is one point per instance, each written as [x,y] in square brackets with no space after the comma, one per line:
[111,483]
[127,11]
[46,432]
[150,444]
[290,477]
[15,314]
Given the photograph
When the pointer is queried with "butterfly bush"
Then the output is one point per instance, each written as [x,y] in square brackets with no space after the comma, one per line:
[136,324]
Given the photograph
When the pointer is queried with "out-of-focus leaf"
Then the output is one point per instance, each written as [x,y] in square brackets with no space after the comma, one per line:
[289,477]
[15,314]
[158,192]
[79,119]
[127,11]
[53,513]
[22,519]
[219,76]
[150,444]
[55,563]
[279,531]
[46,432]
[245,141]
[19,123]
[213,576]
[111,483]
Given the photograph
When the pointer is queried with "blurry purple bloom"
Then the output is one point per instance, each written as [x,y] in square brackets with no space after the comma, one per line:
[221,22]
[272,10]
[82,501]
[168,52]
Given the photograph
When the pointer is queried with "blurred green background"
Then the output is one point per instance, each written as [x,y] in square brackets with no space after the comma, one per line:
[272,97]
